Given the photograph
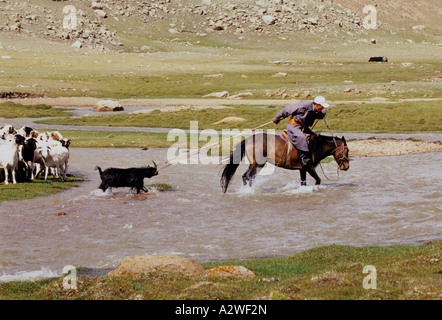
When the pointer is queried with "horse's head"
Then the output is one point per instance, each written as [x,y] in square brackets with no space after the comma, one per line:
[340,153]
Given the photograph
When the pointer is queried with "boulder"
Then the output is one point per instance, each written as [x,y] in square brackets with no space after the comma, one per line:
[235,271]
[107,105]
[138,265]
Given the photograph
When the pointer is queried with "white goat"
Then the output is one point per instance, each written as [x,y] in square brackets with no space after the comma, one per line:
[7,131]
[54,155]
[9,156]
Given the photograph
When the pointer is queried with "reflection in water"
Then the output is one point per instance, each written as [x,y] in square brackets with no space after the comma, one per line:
[379,201]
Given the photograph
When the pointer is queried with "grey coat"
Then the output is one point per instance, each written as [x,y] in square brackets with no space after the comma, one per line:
[303,114]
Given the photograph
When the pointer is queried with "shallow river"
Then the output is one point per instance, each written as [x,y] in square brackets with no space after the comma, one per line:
[378,201]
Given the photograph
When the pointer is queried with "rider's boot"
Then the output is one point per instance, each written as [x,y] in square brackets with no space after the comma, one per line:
[304,158]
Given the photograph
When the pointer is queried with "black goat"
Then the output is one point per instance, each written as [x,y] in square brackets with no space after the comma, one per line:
[27,154]
[130,177]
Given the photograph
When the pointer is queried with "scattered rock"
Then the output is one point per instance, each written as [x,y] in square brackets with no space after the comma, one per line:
[235,271]
[222,94]
[138,265]
[241,95]
[96,5]
[418,27]
[312,21]
[269,19]
[406,64]
[100,13]
[217,75]
[19,95]
[77,44]
[280,93]
[230,120]
[280,75]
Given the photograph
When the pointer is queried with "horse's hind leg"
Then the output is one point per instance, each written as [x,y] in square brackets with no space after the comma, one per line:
[250,174]
[311,170]
[247,177]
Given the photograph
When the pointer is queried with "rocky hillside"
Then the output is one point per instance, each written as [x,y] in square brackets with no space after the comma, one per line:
[114,24]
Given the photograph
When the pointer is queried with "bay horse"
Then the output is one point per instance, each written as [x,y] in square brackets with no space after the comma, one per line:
[278,150]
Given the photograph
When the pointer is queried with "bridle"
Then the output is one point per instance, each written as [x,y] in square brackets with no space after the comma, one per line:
[336,154]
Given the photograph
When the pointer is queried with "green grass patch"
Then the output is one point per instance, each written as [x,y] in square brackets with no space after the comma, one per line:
[36,188]
[11,110]
[329,272]
[116,139]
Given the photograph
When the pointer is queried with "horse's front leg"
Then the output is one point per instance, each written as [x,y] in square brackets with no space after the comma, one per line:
[303,174]
[311,170]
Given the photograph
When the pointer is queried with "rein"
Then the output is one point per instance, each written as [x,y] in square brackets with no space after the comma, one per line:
[341,160]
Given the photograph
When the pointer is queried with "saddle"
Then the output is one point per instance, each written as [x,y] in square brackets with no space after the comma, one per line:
[312,140]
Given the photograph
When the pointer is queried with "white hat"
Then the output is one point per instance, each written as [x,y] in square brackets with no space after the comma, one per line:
[321,100]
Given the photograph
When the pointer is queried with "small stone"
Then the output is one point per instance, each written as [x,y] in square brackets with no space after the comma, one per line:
[269,19]
[77,44]
[222,94]
[230,120]
[280,75]
[100,13]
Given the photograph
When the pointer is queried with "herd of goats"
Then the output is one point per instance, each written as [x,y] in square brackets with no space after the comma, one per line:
[26,153]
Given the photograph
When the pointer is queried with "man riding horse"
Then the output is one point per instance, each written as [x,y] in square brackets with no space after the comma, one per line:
[302,116]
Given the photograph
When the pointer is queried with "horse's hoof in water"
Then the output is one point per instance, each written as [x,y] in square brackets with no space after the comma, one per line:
[303,183]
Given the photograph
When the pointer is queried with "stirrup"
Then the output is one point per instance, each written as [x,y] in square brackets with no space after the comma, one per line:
[305,160]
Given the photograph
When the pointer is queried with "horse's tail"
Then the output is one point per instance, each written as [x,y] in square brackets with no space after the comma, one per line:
[234,161]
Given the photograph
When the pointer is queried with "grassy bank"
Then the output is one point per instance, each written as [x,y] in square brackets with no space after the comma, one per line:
[404,117]
[36,188]
[329,272]
[11,110]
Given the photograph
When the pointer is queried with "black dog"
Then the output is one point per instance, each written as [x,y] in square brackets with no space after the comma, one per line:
[130,177]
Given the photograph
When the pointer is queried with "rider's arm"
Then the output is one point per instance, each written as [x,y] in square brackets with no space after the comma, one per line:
[286,112]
